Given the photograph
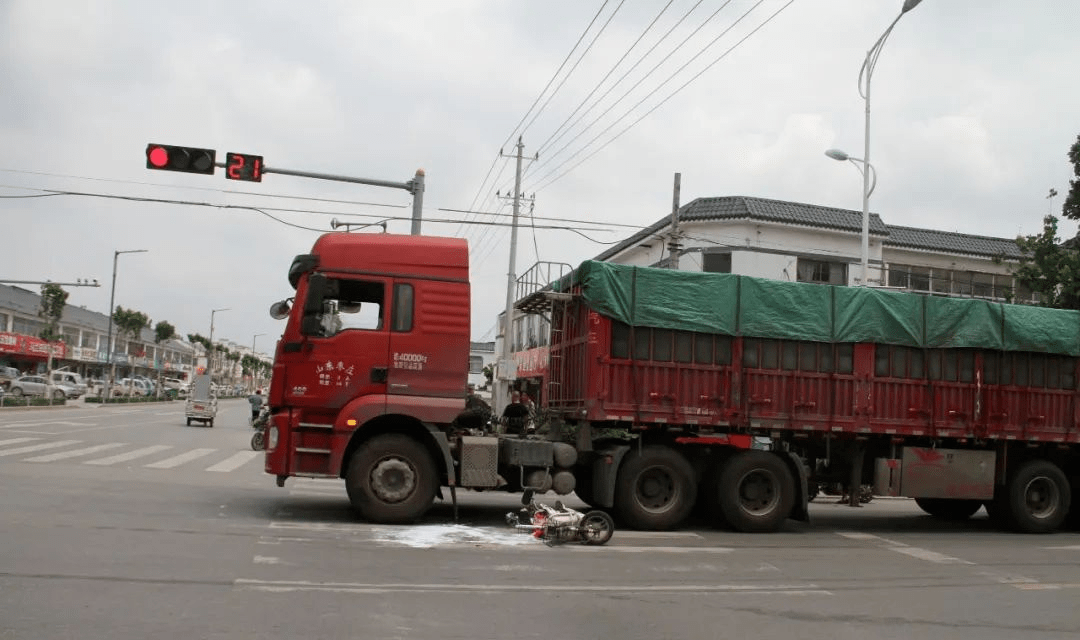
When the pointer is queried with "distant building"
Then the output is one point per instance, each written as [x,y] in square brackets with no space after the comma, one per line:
[481,354]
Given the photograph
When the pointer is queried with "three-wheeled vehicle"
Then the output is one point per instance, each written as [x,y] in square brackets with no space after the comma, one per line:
[202,403]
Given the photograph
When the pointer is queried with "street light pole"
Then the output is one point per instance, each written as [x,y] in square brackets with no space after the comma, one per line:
[865,73]
[112,300]
[210,354]
[253,359]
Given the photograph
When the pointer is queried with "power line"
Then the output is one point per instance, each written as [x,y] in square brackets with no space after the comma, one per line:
[662,102]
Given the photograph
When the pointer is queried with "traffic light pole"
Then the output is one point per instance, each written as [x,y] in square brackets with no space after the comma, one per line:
[414,186]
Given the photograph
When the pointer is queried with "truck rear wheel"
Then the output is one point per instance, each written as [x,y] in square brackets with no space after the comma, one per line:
[756,492]
[949,509]
[1037,497]
[655,489]
[391,479]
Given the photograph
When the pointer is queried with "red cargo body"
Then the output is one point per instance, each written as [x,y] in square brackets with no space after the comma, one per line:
[604,371]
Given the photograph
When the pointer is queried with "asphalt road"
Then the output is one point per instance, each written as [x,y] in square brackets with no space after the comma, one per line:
[121,522]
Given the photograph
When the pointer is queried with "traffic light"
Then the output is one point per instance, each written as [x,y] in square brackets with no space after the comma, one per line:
[243,166]
[186,159]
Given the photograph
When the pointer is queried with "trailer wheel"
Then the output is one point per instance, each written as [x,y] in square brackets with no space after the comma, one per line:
[655,489]
[756,492]
[391,479]
[949,509]
[597,528]
[1037,497]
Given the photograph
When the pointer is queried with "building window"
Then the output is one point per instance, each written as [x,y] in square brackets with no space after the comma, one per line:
[26,327]
[476,364]
[821,271]
[716,262]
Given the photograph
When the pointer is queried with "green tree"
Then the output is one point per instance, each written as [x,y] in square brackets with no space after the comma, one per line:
[129,322]
[1049,266]
[53,301]
[162,331]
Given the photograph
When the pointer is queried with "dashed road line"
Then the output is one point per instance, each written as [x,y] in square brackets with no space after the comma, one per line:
[291,586]
[16,441]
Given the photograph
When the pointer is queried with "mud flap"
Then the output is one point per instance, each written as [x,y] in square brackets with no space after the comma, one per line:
[801,509]
[605,472]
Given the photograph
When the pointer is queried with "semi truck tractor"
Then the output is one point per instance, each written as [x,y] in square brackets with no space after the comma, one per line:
[671,392]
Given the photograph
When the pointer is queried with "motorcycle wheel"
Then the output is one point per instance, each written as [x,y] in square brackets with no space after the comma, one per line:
[258,441]
[597,528]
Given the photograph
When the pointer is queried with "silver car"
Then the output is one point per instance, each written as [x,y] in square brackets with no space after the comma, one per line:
[37,386]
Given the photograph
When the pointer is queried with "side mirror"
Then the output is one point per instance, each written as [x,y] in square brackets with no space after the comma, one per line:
[280,310]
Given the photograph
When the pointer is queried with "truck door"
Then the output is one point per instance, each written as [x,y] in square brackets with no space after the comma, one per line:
[429,338]
[345,354]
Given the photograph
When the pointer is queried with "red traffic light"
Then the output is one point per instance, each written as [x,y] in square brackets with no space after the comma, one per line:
[186,159]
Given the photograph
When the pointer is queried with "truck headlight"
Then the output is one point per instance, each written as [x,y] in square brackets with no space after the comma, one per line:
[271,441]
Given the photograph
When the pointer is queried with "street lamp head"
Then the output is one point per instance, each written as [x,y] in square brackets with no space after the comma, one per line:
[837,154]
[909,5]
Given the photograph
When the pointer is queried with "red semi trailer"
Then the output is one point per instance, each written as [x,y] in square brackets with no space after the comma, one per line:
[669,390]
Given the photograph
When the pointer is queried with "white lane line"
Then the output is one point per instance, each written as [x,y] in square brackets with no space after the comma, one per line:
[130,455]
[38,447]
[659,534]
[266,560]
[234,461]
[63,455]
[176,461]
[287,586]
[1071,547]
[900,547]
[16,440]
[629,549]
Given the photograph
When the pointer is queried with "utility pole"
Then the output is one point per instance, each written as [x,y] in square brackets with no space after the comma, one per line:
[506,369]
[674,245]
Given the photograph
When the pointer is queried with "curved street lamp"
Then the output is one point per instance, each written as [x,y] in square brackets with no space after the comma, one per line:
[210,354]
[109,344]
[865,73]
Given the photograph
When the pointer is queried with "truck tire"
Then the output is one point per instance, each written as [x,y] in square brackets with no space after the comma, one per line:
[1037,497]
[756,492]
[655,489]
[391,479]
[949,509]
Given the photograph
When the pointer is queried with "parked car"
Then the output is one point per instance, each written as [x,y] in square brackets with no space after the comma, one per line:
[39,386]
[71,379]
[130,388]
[7,374]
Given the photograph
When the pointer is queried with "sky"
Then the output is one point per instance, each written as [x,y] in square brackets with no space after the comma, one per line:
[973,109]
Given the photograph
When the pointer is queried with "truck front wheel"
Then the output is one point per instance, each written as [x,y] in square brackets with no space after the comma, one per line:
[391,479]
[1037,497]
[655,489]
[756,492]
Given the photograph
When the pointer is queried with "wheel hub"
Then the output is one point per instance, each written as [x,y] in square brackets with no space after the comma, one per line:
[758,492]
[656,490]
[393,480]
[1041,497]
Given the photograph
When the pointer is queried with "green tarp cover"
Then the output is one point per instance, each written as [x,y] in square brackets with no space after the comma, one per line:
[741,305]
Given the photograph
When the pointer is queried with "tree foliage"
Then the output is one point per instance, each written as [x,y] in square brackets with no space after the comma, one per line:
[164,331]
[130,322]
[1049,266]
[53,300]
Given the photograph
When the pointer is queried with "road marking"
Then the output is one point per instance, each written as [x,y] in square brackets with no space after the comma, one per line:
[16,440]
[266,560]
[288,586]
[42,423]
[52,457]
[234,462]
[900,547]
[1048,587]
[1071,547]
[659,534]
[629,549]
[130,455]
[176,461]
[38,447]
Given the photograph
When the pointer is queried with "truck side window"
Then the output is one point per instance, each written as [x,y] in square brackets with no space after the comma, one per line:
[352,304]
[402,317]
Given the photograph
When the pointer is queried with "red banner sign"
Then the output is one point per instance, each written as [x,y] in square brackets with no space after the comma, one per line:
[19,344]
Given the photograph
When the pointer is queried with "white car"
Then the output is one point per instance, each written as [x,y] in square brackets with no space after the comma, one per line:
[38,386]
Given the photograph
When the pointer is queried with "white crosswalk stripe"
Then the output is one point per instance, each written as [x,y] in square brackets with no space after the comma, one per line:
[38,447]
[176,461]
[130,455]
[64,455]
[16,441]
[234,461]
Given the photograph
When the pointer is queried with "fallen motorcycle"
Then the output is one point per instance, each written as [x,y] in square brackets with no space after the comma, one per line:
[560,524]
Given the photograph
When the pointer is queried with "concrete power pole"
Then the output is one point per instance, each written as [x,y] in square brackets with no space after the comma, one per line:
[506,370]
[674,245]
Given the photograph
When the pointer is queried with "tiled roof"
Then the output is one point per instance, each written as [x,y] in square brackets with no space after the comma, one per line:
[933,240]
[746,208]
[809,215]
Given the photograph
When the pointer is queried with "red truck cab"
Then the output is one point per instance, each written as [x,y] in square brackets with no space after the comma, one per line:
[377,342]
